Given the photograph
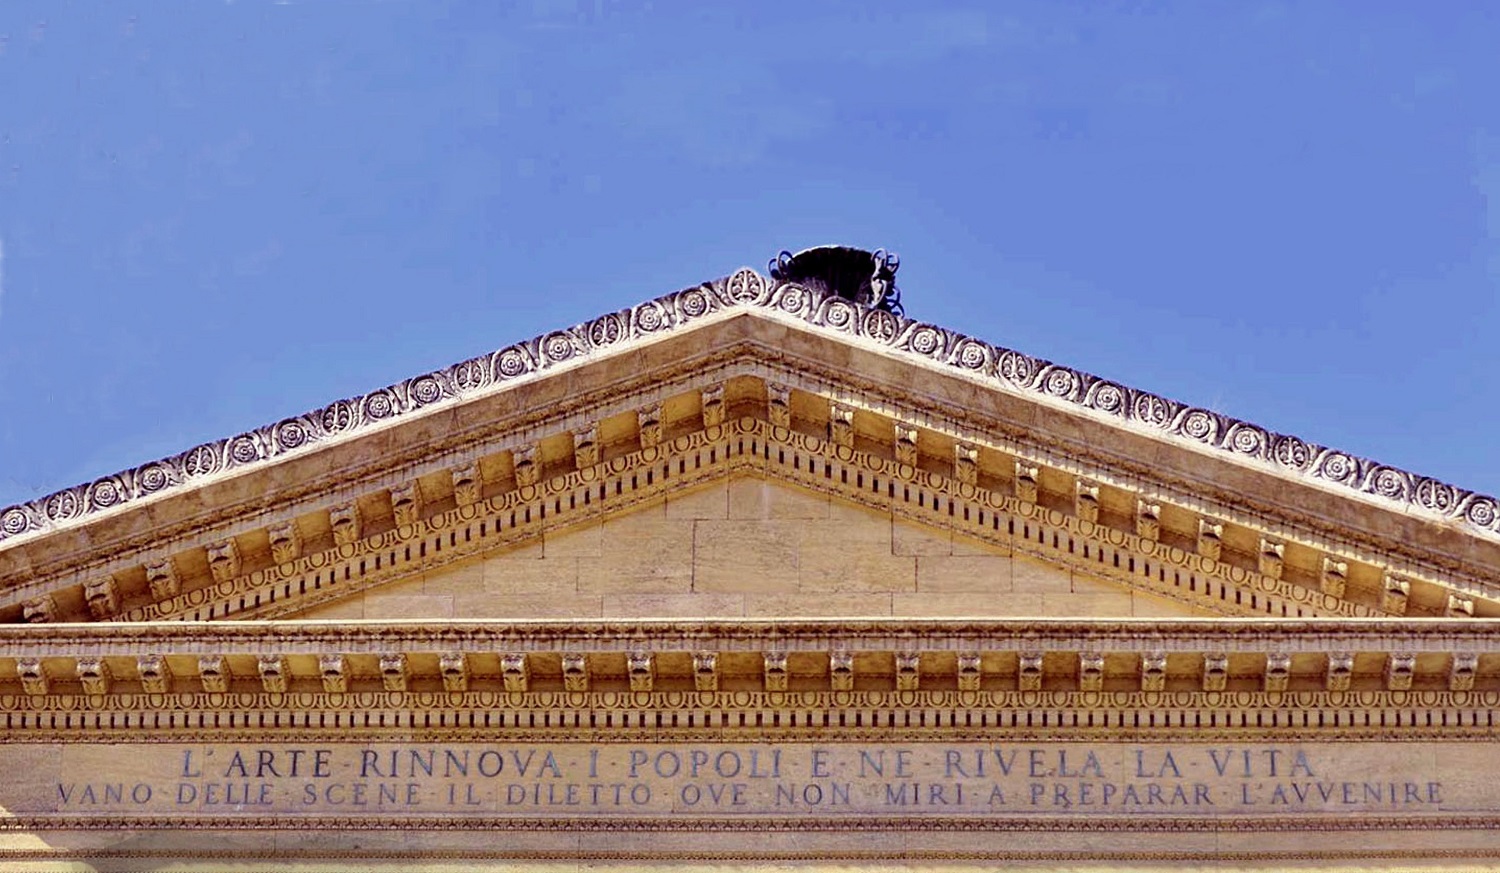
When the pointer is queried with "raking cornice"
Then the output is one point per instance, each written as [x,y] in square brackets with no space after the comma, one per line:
[930,345]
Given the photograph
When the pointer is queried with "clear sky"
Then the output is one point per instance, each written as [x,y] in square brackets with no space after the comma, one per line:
[213,215]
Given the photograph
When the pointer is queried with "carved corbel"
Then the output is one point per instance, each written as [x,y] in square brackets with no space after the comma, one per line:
[1278,671]
[1026,477]
[213,673]
[224,560]
[406,502]
[841,671]
[906,444]
[102,596]
[1461,671]
[1153,671]
[393,671]
[1400,667]
[841,425]
[1395,591]
[640,667]
[706,671]
[1086,501]
[515,672]
[33,676]
[161,576]
[1340,671]
[1029,672]
[346,524]
[776,671]
[649,421]
[575,671]
[468,483]
[1334,578]
[156,676]
[1148,520]
[527,466]
[970,671]
[454,667]
[1272,558]
[93,674]
[38,610]
[286,542]
[273,673]
[713,405]
[966,463]
[908,671]
[1215,671]
[779,404]
[334,670]
[1090,671]
[586,446]
[1459,606]
[1210,539]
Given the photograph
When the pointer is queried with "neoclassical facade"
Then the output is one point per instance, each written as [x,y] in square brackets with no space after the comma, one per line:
[752,573]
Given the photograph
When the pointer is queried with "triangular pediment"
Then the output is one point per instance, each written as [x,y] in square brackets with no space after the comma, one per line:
[756,548]
[937,476]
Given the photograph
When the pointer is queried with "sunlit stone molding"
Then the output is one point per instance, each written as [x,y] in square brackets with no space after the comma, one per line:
[1003,368]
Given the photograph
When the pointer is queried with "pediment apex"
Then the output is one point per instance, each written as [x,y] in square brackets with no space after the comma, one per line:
[746,293]
[776,352]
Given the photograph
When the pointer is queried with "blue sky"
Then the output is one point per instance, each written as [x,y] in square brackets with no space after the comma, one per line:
[214,214]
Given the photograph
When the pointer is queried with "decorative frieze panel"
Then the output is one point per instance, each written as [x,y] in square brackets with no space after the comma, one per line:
[406,502]
[649,422]
[393,671]
[713,406]
[333,670]
[286,543]
[455,670]
[102,596]
[273,673]
[213,674]
[38,610]
[1148,520]
[515,672]
[841,670]
[776,671]
[706,671]
[841,425]
[1210,539]
[344,521]
[1086,501]
[527,466]
[1272,558]
[575,671]
[468,484]
[93,675]
[224,560]
[1395,593]
[1335,577]
[586,447]
[155,675]
[1026,484]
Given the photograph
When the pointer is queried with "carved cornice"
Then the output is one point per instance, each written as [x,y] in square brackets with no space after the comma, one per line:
[638,681]
[1000,368]
[1187,635]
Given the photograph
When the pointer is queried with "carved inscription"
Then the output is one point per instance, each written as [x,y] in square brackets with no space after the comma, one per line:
[745,779]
